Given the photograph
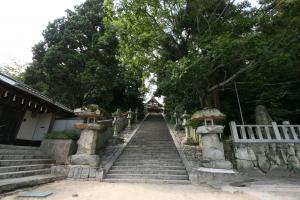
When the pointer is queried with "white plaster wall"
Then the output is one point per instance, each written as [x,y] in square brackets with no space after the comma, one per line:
[61,125]
[34,126]
[42,126]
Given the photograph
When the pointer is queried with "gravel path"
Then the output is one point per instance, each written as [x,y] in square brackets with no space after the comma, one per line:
[73,190]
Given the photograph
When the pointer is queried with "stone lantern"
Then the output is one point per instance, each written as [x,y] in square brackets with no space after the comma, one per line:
[136,114]
[129,117]
[175,117]
[116,116]
[212,147]
[90,129]
[187,139]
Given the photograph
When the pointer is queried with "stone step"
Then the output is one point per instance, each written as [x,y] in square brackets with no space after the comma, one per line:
[149,156]
[25,162]
[9,175]
[148,167]
[148,176]
[153,181]
[20,152]
[149,171]
[134,164]
[23,168]
[7,185]
[20,157]
[153,151]
[4,146]
[146,160]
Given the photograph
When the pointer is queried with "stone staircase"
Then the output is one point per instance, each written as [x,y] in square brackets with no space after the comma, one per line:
[22,166]
[150,157]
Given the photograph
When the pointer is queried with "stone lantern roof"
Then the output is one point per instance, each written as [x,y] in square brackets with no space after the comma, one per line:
[208,113]
[90,111]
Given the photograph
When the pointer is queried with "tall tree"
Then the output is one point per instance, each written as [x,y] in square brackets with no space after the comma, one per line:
[76,63]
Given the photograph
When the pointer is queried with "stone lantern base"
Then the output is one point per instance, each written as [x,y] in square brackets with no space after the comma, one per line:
[84,159]
[212,149]
[188,141]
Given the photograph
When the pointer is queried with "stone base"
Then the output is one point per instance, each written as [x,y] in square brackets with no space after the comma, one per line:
[218,164]
[188,141]
[83,159]
[206,175]
[79,172]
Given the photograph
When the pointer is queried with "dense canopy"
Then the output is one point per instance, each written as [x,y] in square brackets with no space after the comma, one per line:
[197,50]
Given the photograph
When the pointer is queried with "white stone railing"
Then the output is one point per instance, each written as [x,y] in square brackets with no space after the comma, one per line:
[272,133]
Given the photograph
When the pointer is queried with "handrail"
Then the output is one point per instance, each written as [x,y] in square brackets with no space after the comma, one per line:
[271,133]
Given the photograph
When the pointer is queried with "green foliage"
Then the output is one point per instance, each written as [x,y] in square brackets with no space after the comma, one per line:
[69,134]
[77,63]
[197,49]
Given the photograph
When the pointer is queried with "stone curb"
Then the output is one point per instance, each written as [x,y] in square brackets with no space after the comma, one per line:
[186,163]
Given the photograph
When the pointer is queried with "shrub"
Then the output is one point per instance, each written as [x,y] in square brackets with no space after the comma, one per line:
[69,134]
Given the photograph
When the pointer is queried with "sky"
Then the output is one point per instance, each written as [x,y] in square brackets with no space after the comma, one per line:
[22,23]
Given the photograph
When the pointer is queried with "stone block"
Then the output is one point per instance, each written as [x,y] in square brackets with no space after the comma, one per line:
[245,153]
[87,142]
[92,173]
[99,175]
[85,173]
[82,159]
[204,175]
[59,150]
[218,164]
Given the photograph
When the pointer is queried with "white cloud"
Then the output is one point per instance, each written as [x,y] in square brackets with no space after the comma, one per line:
[22,23]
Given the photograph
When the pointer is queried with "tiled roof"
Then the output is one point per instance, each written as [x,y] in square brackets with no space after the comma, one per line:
[22,86]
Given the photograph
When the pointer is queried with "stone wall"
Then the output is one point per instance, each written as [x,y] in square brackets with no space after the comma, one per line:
[59,150]
[84,173]
[273,159]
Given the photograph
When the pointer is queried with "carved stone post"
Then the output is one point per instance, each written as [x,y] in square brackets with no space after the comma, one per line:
[129,117]
[187,140]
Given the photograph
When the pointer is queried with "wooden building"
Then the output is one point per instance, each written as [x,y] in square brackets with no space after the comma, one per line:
[153,106]
[25,114]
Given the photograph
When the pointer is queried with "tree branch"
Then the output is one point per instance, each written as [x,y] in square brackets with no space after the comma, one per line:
[231,78]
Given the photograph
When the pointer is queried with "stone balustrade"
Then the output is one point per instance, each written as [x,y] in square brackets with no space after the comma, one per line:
[271,149]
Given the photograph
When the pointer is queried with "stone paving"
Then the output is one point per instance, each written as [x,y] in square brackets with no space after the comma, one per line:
[112,147]
[150,156]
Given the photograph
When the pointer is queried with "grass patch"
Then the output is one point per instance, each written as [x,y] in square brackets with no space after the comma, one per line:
[70,134]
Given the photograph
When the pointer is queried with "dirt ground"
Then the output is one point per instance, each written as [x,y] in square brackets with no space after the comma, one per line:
[79,190]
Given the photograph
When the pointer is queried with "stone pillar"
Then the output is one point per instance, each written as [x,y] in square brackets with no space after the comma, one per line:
[116,116]
[129,117]
[115,126]
[188,139]
[212,147]
[176,118]
[85,154]
[136,114]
